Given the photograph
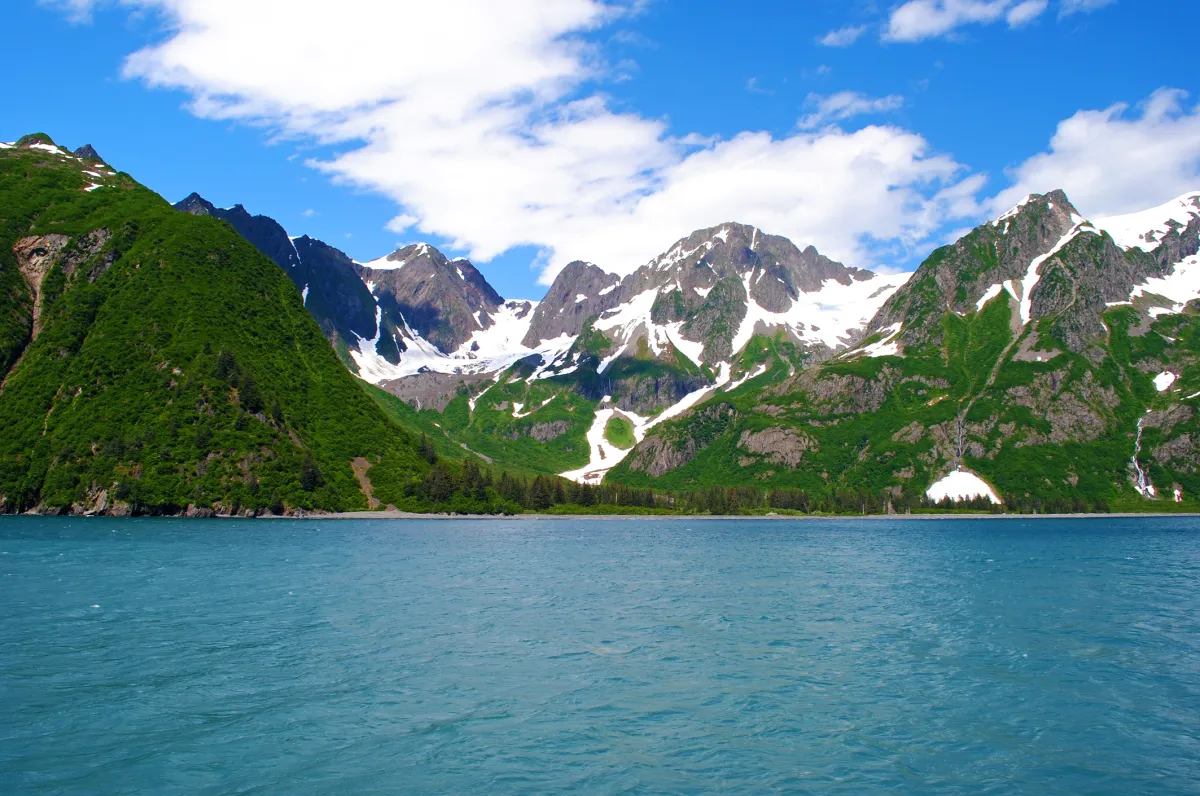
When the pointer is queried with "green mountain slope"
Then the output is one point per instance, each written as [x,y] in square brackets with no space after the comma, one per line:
[154,360]
[1044,397]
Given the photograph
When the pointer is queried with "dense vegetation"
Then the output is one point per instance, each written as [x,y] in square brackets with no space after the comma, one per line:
[174,365]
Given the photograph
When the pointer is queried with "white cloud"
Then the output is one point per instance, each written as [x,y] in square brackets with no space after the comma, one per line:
[310,213]
[842,37]
[477,119]
[844,105]
[1114,161]
[76,10]
[924,19]
[1068,7]
[1026,12]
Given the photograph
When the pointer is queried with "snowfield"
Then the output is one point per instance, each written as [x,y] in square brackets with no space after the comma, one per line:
[962,485]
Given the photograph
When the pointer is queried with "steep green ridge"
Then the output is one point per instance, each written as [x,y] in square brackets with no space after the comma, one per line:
[173,365]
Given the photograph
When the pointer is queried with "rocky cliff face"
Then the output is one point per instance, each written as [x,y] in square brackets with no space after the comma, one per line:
[420,291]
[265,233]
[580,292]
[333,292]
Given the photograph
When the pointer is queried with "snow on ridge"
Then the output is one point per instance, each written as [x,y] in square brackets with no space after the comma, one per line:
[494,349]
[384,263]
[1033,274]
[1180,286]
[1014,211]
[6,145]
[1144,229]
[826,316]
[47,148]
[962,484]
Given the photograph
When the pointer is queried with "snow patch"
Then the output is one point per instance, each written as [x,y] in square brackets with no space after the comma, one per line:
[605,456]
[1145,229]
[987,296]
[962,485]
[1033,274]
[887,347]
[1180,286]
[760,370]
[304,295]
[609,289]
[1164,380]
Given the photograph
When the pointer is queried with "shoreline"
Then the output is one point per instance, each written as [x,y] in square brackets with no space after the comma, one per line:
[403,515]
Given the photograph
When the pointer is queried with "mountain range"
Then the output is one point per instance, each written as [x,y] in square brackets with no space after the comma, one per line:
[1040,361]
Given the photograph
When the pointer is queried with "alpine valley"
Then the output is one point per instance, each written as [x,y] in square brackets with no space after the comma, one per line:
[194,359]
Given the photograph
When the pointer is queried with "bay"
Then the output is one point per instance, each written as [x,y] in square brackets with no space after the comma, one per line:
[635,656]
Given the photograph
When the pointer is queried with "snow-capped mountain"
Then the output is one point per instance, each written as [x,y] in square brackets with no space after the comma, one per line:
[712,291]
[415,310]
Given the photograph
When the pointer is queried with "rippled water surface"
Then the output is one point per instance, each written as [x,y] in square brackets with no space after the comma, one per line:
[345,657]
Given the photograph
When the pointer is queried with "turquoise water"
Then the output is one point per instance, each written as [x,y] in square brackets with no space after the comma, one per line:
[308,657]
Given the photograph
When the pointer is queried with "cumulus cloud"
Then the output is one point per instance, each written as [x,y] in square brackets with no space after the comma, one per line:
[844,105]
[842,37]
[1117,160]
[481,121]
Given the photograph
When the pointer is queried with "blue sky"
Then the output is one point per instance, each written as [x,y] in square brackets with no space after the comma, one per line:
[582,130]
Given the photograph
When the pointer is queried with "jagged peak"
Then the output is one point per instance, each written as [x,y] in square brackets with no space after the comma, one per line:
[195,204]
[405,255]
[1055,198]
[577,269]
[88,152]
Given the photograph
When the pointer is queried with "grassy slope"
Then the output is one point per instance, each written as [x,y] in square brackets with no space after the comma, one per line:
[120,391]
[870,450]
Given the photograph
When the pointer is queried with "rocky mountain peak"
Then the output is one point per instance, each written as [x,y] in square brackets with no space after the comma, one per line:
[579,292]
[443,301]
[88,152]
[196,204]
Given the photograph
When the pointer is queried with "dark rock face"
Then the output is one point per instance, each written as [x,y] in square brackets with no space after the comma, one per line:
[336,297]
[783,446]
[444,301]
[580,291]
[658,455]
[544,432]
[265,233]
[87,152]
